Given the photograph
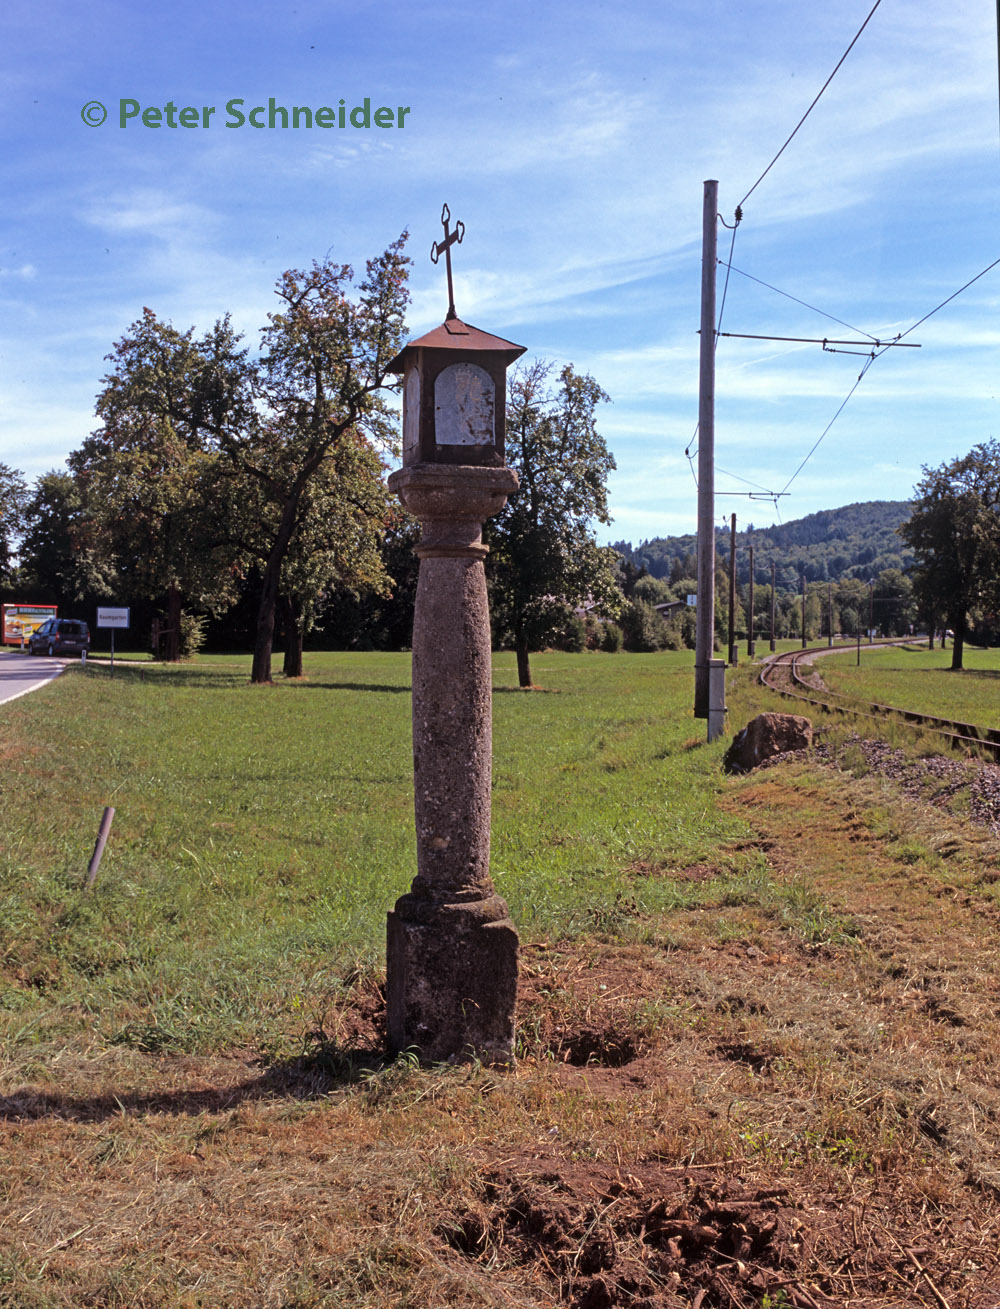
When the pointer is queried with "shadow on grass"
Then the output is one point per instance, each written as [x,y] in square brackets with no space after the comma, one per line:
[982,674]
[308,684]
[524,690]
[327,1068]
[222,681]
[157,675]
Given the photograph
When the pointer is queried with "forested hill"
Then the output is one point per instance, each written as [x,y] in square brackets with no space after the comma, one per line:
[858,540]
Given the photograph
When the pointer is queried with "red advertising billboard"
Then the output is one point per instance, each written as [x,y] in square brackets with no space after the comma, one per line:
[19,621]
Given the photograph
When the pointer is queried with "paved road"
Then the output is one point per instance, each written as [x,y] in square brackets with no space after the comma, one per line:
[21,673]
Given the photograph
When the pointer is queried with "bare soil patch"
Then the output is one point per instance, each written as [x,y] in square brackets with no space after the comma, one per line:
[637,1238]
[657,1237]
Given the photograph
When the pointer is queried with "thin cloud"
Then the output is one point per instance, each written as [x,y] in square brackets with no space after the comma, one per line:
[147,212]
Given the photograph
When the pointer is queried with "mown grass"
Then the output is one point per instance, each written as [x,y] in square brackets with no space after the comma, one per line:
[917,678]
[261,834]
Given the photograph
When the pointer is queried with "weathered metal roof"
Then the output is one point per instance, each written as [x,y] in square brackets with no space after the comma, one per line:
[453,334]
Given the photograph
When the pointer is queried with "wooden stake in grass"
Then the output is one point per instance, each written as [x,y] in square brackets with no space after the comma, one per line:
[102,837]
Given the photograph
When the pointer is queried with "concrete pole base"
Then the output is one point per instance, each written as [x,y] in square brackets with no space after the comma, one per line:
[717,698]
[701,690]
[451,984]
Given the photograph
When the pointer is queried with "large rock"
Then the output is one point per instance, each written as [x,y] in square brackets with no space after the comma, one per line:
[764,737]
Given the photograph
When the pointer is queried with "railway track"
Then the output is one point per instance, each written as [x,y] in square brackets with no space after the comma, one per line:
[783,674]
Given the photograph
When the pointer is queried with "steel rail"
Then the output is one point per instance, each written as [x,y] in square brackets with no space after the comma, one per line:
[959,734]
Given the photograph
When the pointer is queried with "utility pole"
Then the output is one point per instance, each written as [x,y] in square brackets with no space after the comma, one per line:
[705,616]
[871,612]
[829,611]
[734,654]
[773,602]
[803,611]
[751,643]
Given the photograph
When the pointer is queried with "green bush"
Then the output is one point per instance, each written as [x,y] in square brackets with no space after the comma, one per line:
[644,631]
[192,634]
[612,638]
[572,637]
[557,627]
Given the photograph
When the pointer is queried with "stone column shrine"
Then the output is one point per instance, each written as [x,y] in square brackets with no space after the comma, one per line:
[452,949]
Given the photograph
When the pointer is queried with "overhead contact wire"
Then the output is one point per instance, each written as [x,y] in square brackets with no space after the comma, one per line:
[877,354]
[822,313]
[826,429]
[949,300]
[811,107]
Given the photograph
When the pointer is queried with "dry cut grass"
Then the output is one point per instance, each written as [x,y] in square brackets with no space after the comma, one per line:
[782,1090]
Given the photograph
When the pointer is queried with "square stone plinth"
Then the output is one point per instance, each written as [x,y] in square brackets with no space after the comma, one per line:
[451,982]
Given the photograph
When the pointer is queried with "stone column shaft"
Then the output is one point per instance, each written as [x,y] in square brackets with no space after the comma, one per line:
[452,949]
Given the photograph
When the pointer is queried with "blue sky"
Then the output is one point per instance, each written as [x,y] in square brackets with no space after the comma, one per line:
[573,141]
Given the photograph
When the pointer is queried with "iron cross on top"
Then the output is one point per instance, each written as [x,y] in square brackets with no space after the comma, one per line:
[440,248]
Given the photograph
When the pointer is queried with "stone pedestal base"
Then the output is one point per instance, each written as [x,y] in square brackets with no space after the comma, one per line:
[452,979]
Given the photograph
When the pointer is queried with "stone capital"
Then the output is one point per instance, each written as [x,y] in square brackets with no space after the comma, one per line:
[453,492]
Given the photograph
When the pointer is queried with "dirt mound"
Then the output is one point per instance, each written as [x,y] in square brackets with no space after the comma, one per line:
[764,737]
[649,1239]
[588,1236]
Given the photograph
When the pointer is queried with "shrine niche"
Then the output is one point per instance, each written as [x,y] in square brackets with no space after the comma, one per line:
[464,406]
[454,385]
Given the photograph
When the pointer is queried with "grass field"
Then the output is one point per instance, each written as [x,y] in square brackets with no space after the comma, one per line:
[921,679]
[759,1019]
[260,835]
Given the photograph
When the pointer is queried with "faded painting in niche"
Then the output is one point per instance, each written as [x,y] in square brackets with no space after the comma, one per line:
[463,406]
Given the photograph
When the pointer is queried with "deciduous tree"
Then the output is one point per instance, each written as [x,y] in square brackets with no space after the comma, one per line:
[335,547]
[59,563]
[543,551]
[145,473]
[893,603]
[13,503]
[323,373]
[195,433]
[954,530]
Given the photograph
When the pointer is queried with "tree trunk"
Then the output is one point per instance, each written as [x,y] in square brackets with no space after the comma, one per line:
[523,666]
[292,624]
[260,671]
[264,642]
[173,625]
[957,644]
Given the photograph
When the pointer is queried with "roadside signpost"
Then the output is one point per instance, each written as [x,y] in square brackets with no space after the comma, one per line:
[112,618]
